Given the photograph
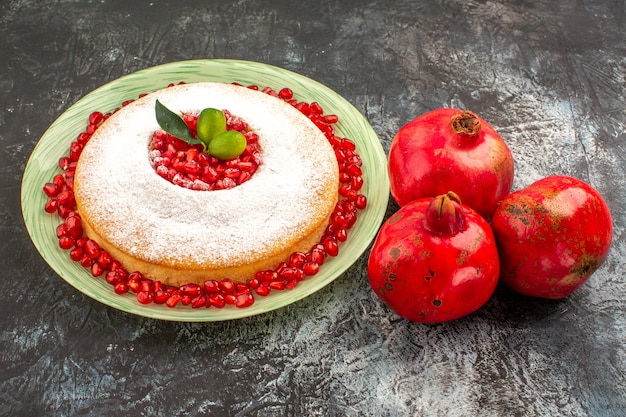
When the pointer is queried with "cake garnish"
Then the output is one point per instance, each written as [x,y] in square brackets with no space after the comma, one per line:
[211,131]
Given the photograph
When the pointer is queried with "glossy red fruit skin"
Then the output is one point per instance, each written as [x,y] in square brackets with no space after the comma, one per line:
[551,236]
[428,158]
[428,277]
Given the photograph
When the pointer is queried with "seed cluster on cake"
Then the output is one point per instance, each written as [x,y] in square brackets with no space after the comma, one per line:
[188,166]
[185,165]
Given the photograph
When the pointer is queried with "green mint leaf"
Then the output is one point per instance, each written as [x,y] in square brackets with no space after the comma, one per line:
[173,123]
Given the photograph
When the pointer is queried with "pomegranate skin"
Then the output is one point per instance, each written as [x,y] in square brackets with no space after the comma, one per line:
[428,276]
[551,236]
[431,155]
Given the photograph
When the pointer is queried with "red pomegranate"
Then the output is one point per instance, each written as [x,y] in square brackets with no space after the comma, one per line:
[434,260]
[450,150]
[552,235]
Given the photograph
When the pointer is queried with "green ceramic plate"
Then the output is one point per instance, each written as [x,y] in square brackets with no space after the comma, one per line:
[42,166]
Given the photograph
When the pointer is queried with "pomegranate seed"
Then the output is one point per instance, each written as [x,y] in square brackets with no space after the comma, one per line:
[297,259]
[241,288]
[83,138]
[134,281]
[356,183]
[289,273]
[199,301]
[227,286]
[335,141]
[244,300]
[270,91]
[279,269]
[211,287]
[351,195]
[304,108]
[76,254]
[160,297]
[51,189]
[310,268]
[65,197]
[70,182]
[173,299]
[117,267]
[266,276]
[330,246]
[243,177]
[104,260]
[340,155]
[192,290]
[350,219]
[318,256]
[112,278]
[360,202]
[120,288]
[315,108]
[86,262]
[353,170]
[92,249]
[96,269]
[216,300]
[341,235]
[337,219]
[192,167]
[231,173]
[75,150]
[158,286]
[344,189]
[64,163]
[51,206]
[277,285]
[330,119]
[192,155]
[96,118]
[74,227]
[290,285]
[145,285]
[64,211]
[61,230]
[59,180]
[66,242]
[285,93]
[185,299]
[263,290]
[144,297]
[349,207]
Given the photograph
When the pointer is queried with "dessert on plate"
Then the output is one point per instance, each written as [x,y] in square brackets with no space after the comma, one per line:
[176,209]
[181,235]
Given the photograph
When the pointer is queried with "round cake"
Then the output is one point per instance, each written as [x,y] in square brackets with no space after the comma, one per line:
[178,235]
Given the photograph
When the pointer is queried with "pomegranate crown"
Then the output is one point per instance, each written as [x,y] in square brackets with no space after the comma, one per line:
[444,215]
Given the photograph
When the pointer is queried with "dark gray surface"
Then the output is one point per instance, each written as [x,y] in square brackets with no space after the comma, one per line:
[549,75]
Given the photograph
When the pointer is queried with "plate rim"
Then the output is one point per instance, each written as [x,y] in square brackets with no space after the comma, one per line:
[376,209]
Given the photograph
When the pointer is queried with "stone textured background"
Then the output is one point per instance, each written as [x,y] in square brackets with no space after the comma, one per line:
[549,75]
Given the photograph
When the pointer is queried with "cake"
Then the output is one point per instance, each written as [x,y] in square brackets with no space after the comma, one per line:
[178,235]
